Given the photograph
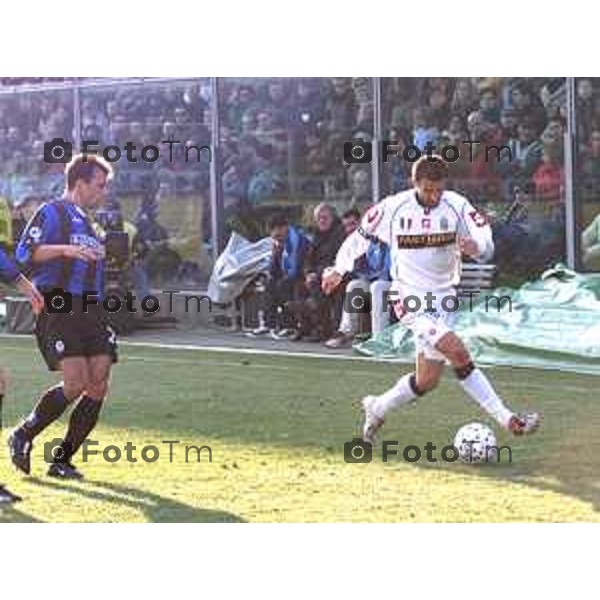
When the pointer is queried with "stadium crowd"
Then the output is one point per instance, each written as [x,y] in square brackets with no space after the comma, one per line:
[282,144]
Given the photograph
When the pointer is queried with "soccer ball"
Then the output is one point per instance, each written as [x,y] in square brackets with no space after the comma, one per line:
[476,443]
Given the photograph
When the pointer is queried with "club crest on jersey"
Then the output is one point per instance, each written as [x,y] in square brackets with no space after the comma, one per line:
[444,224]
[405,223]
[426,223]
[35,233]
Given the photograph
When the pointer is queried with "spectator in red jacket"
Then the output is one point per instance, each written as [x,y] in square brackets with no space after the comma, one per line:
[549,177]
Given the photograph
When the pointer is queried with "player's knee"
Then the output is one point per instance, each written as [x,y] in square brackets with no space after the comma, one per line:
[463,371]
[425,383]
[97,389]
[73,388]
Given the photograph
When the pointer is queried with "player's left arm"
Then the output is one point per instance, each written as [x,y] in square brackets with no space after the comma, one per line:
[11,274]
[475,234]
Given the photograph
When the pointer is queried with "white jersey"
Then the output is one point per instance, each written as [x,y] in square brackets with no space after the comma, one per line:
[423,240]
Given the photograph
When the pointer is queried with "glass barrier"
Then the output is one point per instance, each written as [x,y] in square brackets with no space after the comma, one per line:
[162,182]
[283,147]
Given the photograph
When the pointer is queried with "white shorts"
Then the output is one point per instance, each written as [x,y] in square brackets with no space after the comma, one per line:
[428,327]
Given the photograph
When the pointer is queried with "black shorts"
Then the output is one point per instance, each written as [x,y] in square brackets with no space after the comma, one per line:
[78,333]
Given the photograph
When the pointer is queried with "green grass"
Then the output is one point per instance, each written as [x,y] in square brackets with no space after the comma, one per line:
[277,425]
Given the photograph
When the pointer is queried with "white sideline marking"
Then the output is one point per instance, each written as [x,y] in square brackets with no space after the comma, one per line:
[284,353]
[260,351]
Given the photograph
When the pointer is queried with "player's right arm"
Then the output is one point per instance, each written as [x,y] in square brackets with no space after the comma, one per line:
[40,240]
[375,225]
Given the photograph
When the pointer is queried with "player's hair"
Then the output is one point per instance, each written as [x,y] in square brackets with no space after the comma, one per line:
[433,167]
[277,221]
[84,167]
[353,212]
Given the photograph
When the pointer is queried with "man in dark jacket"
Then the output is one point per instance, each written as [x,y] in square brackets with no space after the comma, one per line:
[319,313]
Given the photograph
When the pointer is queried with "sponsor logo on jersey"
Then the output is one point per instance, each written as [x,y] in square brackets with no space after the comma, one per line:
[426,240]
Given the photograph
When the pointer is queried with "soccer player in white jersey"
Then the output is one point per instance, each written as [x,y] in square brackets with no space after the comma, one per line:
[428,228]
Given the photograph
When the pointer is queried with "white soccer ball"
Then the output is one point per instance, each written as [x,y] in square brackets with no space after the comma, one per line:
[476,443]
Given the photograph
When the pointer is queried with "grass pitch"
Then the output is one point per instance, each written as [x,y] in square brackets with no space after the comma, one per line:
[277,425]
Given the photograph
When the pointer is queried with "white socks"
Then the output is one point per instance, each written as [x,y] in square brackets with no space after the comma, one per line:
[401,393]
[476,385]
[480,389]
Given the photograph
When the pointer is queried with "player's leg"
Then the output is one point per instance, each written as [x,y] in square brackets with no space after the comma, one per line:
[406,390]
[85,415]
[6,496]
[48,409]
[100,343]
[478,387]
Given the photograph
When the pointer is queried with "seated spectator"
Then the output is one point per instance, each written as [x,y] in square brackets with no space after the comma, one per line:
[284,278]
[371,275]
[316,312]
[549,177]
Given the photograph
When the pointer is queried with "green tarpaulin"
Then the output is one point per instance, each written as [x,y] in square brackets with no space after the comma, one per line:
[554,323]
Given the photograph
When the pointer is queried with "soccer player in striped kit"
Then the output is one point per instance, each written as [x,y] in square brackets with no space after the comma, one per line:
[67,259]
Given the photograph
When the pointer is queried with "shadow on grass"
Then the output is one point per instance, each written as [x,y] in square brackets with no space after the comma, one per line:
[10,513]
[157,509]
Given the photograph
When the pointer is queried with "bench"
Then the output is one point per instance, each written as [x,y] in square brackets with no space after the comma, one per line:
[476,277]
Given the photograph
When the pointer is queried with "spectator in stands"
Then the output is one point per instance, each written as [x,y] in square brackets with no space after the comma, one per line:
[488,105]
[527,105]
[585,107]
[284,279]
[475,158]
[465,98]
[590,167]
[424,130]
[508,124]
[340,107]
[548,178]
[438,108]
[518,167]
